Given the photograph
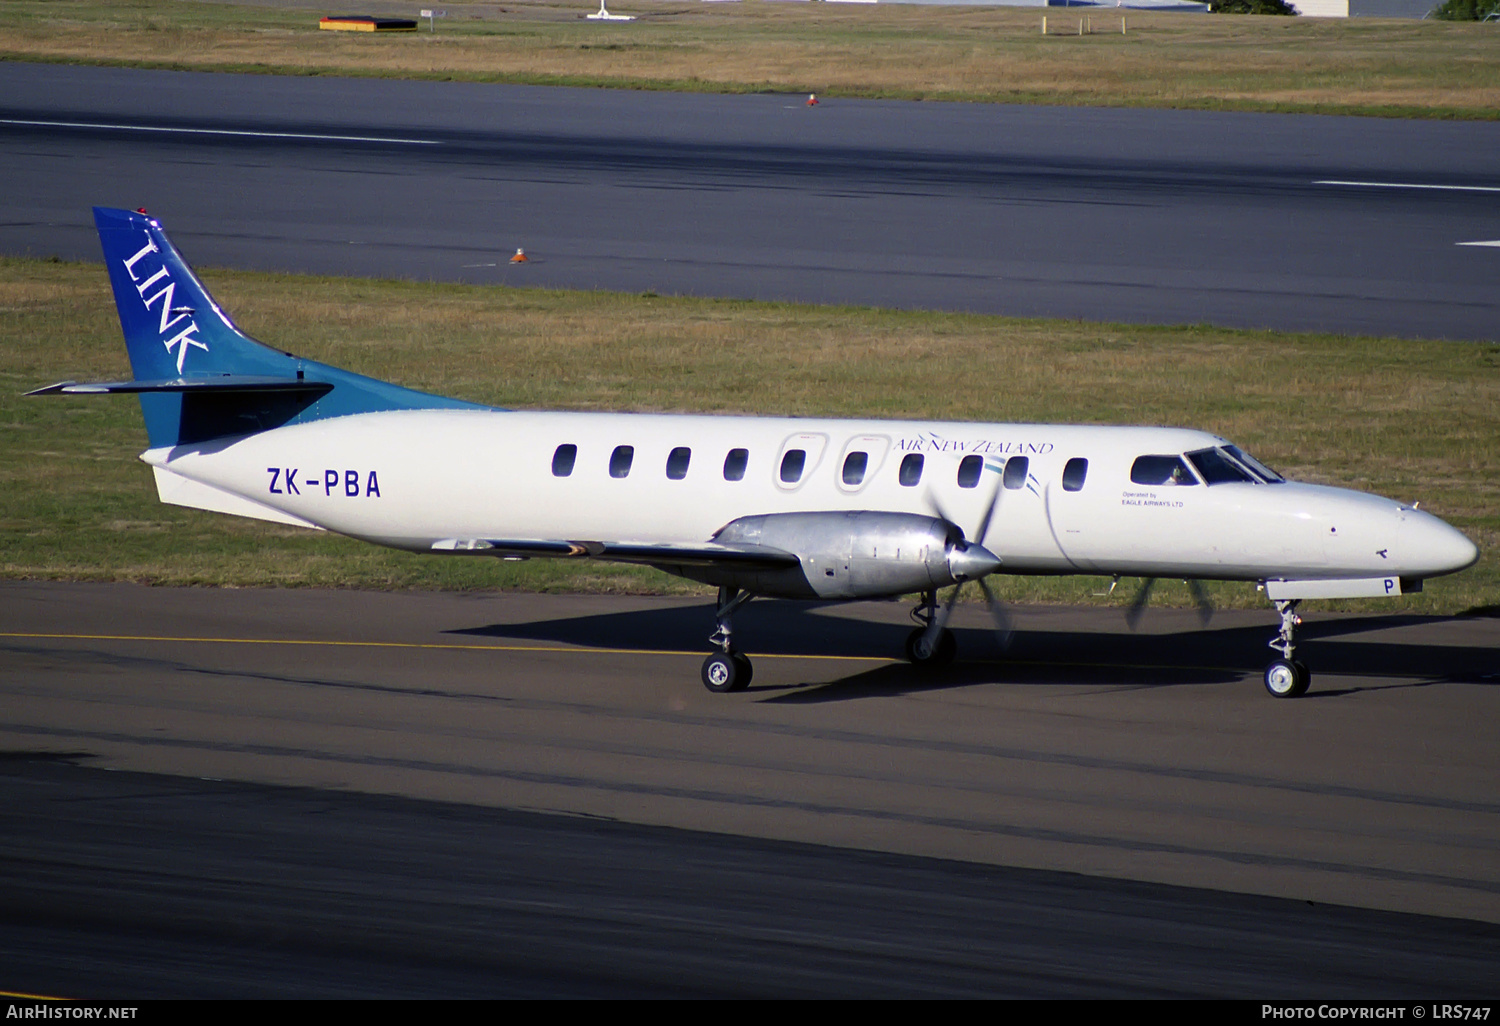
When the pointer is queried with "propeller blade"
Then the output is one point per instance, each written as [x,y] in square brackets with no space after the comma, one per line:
[1201,600]
[1138,604]
[989,512]
[937,507]
[997,614]
[941,620]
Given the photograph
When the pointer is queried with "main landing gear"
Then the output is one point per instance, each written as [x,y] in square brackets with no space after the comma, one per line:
[1287,677]
[931,644]
[727,669]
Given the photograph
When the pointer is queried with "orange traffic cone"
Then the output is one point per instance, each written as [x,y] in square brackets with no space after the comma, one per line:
[812,99]
[520,257]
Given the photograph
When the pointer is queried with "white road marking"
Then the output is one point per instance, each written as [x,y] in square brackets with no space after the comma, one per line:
[1414,185]
[1488,242]
[221,131]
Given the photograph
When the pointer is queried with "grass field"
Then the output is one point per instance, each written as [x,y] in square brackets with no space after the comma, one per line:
[1410,419]
[1362,65]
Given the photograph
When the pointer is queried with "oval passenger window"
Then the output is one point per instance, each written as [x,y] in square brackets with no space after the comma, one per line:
[1074,473]
[620,460]
[854,467]
[969,470]
[791,465]
[911,470]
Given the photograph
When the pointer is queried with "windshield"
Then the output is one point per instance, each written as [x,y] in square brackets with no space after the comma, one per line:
[1229,464]
[1256,466]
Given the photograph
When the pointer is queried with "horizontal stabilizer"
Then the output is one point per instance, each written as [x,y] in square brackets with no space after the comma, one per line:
[222,383]
[748,557]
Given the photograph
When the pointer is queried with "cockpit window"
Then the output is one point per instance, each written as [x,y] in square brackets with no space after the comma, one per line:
[1161,470]
[1257,468]
[1228,464]
[1216,467]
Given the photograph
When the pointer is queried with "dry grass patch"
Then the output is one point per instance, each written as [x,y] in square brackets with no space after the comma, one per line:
[967,53]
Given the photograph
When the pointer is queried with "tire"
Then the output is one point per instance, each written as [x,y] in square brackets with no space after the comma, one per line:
[942,652]
[725,673]
[1287,679]
[1304,672]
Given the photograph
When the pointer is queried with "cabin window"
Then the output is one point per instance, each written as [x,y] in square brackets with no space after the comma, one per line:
[1161,470]
[792,464]
[563,460]
[854,467]
[620,460]
[1216,467]
[969,470]
[734,464]
[677,462]
[911,469]
[1016,469]
[1074,472]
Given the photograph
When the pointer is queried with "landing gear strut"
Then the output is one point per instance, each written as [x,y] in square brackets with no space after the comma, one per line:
[727,670]
[1287,677]
[932,643]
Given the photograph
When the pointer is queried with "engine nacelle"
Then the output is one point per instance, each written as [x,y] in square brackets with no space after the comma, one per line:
[851,555]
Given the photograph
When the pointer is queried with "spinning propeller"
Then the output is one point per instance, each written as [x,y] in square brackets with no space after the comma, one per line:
[970,542]
[1137,606]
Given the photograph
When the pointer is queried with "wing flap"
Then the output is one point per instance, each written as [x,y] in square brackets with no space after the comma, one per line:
[649,554]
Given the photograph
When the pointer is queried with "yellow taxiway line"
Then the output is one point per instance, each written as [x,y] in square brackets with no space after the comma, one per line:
[582,650]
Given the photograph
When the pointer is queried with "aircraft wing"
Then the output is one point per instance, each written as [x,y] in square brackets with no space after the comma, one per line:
[748,557]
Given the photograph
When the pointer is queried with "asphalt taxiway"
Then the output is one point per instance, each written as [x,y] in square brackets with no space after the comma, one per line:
[486,794]
[1365,225]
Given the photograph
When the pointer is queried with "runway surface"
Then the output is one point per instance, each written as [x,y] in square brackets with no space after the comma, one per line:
[354,793]
[1292,222]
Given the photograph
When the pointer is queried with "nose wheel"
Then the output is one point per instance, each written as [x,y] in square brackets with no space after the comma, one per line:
[1287,677]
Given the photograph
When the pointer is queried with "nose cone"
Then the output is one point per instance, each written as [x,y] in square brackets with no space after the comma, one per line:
[968,561]
[1436,547]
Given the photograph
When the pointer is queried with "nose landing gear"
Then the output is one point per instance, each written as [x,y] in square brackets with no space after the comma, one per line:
[1287,677]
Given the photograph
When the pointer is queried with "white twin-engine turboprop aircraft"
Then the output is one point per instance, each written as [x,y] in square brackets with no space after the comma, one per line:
[795,508]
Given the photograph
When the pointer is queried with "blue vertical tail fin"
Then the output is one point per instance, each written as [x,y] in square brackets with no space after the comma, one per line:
[173,328]
[198,376]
